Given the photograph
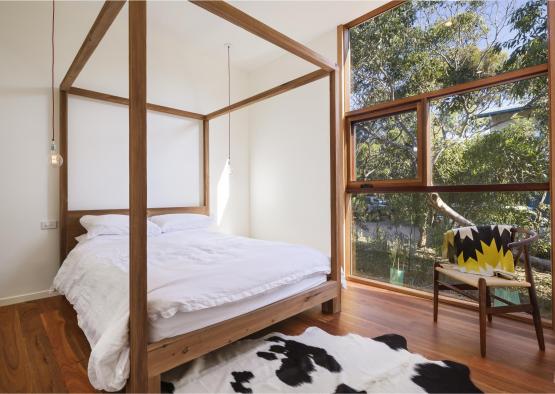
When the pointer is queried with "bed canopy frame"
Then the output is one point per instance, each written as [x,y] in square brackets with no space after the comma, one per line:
[149,360]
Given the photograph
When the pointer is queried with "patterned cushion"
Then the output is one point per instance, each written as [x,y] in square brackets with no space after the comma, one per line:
[480,249]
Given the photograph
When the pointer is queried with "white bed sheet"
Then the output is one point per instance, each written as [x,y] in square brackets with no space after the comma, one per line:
[188,272]
[185,322]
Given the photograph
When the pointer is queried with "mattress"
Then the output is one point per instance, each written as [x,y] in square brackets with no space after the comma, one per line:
[184,322]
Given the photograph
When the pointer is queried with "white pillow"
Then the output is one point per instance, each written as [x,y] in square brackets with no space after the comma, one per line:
[182,221]
[112,225]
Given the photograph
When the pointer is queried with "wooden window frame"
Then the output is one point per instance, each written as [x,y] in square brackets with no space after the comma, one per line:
[422,102]
[353,183]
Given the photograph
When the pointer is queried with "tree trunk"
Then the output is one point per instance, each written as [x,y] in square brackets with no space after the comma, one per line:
[544,195]
[541,264]
[437,203]
[424,230]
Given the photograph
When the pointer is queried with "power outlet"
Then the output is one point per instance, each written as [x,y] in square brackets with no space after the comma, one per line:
[49,225]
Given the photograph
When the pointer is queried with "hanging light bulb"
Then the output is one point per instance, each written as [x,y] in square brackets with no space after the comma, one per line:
[228,162]
[228,168]
[56,159]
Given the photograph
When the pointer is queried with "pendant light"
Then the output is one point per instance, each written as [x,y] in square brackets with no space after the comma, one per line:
[56,159]
[228,162]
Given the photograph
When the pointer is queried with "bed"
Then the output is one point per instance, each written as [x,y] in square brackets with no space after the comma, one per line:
[148,354]
[197,278]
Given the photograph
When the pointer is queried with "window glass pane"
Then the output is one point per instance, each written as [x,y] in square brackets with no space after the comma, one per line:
[423,46]
[494,135]
[396,237]
[386,148]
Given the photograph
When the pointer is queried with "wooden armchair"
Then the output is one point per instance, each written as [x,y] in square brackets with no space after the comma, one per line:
[467,281]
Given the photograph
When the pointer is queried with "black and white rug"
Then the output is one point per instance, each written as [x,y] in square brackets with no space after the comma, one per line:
[317,362]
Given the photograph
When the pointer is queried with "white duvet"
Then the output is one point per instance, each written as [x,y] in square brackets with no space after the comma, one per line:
[187,271]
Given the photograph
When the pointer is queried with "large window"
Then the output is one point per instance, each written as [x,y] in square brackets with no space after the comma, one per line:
[448,118]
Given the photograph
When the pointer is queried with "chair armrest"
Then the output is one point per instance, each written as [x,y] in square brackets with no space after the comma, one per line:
[531,237]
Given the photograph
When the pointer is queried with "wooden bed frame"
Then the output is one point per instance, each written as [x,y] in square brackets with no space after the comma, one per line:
[149,360]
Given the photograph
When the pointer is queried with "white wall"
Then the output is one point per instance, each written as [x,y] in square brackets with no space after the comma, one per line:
[289,142]
[28,256]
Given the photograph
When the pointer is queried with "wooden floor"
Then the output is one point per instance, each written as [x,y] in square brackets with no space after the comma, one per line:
[43,350]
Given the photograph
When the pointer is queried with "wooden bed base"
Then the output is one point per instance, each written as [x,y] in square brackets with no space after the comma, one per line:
[148,361]
[172,352]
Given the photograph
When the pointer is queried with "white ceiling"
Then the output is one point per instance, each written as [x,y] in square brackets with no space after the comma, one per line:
[301,20]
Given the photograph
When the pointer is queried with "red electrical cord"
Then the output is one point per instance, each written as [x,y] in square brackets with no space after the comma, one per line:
[52,69]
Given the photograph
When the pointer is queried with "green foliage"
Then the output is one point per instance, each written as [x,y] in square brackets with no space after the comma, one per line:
[529,45]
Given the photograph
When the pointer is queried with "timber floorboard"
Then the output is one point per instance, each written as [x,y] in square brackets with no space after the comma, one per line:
[42,348]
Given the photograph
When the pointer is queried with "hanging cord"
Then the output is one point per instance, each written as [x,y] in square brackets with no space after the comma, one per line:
[229,104]
[52,70]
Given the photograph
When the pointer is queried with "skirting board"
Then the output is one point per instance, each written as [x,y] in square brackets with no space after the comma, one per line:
[27,297]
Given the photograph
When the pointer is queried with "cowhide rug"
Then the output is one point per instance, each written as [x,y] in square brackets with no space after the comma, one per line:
[317,362]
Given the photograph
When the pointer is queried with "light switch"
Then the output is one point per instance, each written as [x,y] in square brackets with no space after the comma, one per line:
[49,225]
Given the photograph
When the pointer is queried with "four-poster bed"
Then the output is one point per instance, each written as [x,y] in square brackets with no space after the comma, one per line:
[149,360]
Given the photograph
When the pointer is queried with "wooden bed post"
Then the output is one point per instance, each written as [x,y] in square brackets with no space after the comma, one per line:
[206,163]
[336,195]
[62,139]
[138,335]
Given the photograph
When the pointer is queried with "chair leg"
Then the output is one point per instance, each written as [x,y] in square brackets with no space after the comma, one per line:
[488,303]
[537,316]
[482,290]
[436,294]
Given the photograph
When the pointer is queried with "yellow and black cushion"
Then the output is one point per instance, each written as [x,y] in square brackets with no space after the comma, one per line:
[480,249]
